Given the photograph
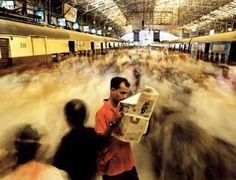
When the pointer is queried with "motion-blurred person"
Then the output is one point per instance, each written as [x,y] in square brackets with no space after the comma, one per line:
[225,80]
[117,160]
[137,77]
[183,150]
[78,151]
[27,143]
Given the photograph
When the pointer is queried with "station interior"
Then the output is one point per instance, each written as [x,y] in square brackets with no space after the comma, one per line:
[54,51]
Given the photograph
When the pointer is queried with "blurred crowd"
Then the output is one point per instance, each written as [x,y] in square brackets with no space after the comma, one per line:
[191,134]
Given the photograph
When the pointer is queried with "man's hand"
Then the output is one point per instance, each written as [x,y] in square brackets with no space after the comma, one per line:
[117,131]
[116,118]
[117,115]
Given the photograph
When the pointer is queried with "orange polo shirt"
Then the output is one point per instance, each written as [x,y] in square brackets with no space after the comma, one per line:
[118,156]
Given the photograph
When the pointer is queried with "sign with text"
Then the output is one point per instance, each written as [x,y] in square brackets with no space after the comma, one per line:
[70,13]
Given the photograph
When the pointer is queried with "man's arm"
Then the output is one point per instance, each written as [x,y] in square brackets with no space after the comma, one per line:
[101,123]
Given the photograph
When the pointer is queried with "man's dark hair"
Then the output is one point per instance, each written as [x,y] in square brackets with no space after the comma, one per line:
[116,81]
[75,111]
[26,144]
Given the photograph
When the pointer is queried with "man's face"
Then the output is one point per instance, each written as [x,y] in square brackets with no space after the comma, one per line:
[121,93]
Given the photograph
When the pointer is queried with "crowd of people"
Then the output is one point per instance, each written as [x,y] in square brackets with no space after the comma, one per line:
[83,152]
[182,144]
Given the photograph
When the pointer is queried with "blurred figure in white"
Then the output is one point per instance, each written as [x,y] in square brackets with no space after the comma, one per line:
[225,80]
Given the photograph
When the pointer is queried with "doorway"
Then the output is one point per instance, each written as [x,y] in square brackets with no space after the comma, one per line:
[206,51]
[4,52]
[232,53]
[71,45]
[92,48]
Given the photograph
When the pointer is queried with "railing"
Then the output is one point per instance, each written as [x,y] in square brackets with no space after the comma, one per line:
[12,15]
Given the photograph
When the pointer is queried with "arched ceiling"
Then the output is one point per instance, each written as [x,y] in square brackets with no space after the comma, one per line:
[128,15]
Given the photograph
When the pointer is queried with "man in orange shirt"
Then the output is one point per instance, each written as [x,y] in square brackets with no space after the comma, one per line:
[117,160]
